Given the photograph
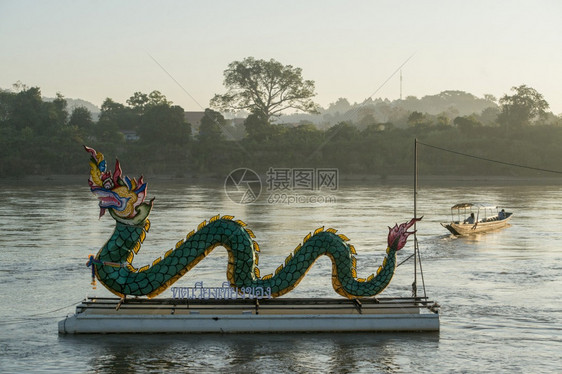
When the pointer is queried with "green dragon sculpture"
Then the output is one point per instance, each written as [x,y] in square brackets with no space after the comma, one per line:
[124,199]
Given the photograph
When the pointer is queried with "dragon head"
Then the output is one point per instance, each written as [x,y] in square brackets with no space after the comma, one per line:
[122,197]
[398,235]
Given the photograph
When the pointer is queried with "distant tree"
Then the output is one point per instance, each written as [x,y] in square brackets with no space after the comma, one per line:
[113,118]
[26,109]
[365,115]
[59,112]
[340,106]
[141,101]
[374,130]
[466,123]
[443,121]
[416,118]
[110,109]
[163,125]
[365,121]
[211,128]
[81,119]
[138,101]
[490,98]
[258,127]
[6,99]
[343,131]
[35,136]
[489,115]
[305,133]
[521,108]
[118,116]
[265,88]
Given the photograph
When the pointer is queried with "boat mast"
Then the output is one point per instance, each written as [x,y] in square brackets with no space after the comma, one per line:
[414,285]
[400,84]
[417,257]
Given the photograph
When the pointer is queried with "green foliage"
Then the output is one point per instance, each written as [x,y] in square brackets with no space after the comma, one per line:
[416,119]
[140,102]
[265,88]
[522,108]
[35,136]
[466,124]
[39,137]
[164,132]
[343,131]
[212,127]
[258,127]
[81,121]
[162,125]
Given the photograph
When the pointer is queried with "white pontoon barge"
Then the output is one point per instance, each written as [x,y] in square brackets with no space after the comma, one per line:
[113,315]
[208,310]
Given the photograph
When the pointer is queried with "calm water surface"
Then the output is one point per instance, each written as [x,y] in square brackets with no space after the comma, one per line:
[501,293]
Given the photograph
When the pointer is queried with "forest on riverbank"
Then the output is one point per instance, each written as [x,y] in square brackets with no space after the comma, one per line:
[39,137]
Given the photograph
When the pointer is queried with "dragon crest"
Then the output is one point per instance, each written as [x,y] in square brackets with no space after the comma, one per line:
[121,196]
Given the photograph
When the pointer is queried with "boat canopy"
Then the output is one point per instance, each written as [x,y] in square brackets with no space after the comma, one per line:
[474,205]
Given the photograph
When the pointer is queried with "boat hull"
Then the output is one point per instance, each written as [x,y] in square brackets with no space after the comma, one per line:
[267,316]
[457,228]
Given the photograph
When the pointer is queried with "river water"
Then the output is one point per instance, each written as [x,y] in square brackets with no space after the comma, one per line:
[501,292]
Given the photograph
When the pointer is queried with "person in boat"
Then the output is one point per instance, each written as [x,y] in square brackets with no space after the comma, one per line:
[501,214]
[470,220]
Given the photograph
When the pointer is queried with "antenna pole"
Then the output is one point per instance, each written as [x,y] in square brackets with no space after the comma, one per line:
[414,285]
[400,84]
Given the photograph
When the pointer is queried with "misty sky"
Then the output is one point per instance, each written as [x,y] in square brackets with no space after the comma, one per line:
[106,48]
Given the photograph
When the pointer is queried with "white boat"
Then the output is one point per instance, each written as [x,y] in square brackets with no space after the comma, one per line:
[113,315]
[474,218]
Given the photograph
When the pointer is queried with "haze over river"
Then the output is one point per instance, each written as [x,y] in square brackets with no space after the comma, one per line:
[500,293]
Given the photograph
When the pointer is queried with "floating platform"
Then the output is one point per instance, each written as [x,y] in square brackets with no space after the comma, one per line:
[113,315]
